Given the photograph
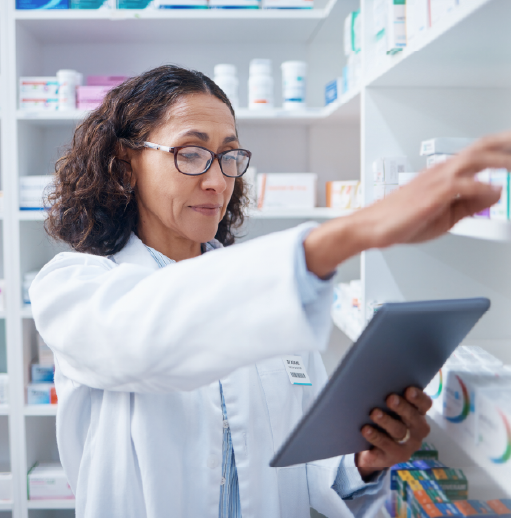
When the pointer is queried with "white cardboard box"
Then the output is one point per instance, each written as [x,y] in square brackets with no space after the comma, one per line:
[286,190]
[500,210]
[417,19]
[387,169]
[444,146]
[47,481]
[342,194]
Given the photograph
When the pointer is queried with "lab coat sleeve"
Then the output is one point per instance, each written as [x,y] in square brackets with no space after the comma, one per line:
[133,329]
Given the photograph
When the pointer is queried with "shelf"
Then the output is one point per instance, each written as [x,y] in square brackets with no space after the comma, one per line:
[346,327]
[35,410]
[4,409]
[315,213]
[32,215]
[51,504]
[480,228]
[346,109]
[469,47]
[174,25]
[5,505]
[26,311]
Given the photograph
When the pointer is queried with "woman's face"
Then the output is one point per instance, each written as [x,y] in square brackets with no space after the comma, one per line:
[187,207]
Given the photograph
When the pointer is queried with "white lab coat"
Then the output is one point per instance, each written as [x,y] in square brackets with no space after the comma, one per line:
[139,352]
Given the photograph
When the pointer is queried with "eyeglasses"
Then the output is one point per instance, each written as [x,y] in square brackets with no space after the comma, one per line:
[196,160]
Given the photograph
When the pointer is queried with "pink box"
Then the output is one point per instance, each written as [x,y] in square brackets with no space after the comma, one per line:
[106,80]
[87,106]
[91,94]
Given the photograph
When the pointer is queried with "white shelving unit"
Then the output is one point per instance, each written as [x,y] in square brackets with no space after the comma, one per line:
[454,81]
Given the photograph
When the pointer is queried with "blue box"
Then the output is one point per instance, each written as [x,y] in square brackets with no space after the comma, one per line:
[42,373]
[333,90]
[42,4]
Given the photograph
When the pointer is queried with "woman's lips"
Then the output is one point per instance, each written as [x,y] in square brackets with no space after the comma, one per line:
[207,209]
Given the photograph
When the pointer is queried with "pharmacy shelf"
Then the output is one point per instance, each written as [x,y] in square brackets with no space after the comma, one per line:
[35,410]
[32,215]
[497,473]
[351,331]
[4,409]
[314,213]
[480,228]
[165,26]
[5,505]
[344,110]
[466,48]
[51,504]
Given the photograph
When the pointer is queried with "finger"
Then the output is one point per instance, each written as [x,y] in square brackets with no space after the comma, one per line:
[382,441]
[409,415]
[500,140]
[419,399]
[472,161]
[395,428]
[472,189]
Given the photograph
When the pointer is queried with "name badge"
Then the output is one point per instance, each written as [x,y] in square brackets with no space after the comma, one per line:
[296,371]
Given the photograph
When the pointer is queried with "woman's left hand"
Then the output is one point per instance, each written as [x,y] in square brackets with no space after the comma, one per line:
[390,446]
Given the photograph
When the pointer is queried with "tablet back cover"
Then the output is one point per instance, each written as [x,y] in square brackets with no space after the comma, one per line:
[405,344]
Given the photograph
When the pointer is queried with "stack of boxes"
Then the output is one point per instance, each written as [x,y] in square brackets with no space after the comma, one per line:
[386,171]
[47,481]
[39,93]
[91,96]
[33,191]
[344,195]
[42,389]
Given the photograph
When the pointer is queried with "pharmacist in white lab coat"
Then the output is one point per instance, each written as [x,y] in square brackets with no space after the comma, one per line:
[173,395]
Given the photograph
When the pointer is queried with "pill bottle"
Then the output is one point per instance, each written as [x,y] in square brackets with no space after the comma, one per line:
[226,78]
[260,85]
[293,84]
[68,81]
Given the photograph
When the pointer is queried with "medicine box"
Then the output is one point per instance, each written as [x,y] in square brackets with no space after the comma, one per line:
[5,484]
[417,19]
[47,481]
[234,4]
[33,190]
[343,194]
[41,394]
[444,146]
[500,210]
[287,4]
[395,30]
[45,354]
[352,33]
[91,4]
[502,508]
[133,4]
[42,373]
[437,158]
[38,93]
[425,452]
[474,509]
[90,97]
[387,169]
[286,190]
[110,81]
[42,4]
[181,4]
[4,389]
[333,90]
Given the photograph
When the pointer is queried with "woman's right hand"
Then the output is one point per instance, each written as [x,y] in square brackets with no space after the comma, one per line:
[427,207]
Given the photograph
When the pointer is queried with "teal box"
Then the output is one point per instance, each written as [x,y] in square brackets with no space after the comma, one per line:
[42,4]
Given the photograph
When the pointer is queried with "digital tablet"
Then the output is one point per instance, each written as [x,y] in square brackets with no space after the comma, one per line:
[404,345]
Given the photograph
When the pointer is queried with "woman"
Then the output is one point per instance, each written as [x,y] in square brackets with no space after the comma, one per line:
[173,396]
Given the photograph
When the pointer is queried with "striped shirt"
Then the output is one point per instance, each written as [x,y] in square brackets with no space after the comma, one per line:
[348,483]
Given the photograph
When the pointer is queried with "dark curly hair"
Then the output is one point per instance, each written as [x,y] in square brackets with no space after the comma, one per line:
[92,205]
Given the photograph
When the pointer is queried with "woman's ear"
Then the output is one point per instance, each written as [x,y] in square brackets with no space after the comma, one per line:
[125,156]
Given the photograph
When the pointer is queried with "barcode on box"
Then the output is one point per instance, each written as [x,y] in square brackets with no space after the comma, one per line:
[297,375]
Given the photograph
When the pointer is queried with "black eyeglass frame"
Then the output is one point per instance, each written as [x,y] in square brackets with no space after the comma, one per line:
[214,156]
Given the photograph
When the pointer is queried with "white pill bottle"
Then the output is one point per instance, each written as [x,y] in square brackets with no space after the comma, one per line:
[260,85]
[226,78]
[68,81]
[294,75]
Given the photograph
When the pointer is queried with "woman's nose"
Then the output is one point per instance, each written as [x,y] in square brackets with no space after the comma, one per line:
[214,179]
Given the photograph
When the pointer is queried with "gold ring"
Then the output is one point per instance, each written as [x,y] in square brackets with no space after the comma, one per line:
[405,438]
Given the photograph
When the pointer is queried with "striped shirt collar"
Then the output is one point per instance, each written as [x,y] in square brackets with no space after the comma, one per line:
[162,260]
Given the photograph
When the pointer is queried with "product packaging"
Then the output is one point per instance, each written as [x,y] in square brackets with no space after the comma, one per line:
[347,306]
[502,508]
[294,75]
[225,76]
[333,90]
[42,4]
[425,452]
[417,19]
[110,81]
[389,25]
[39,93]
[4,389]
[33,190]
[440,8]
[5,484]
[260,85]
[234,4]
[343,194]
[444,146]
[353,33]
[91,97]
[133,4]
[42,373]
[494,427]
[288,4]
[27,282]
[47,481]
[474,509]
[91,4]
[181,4]
[68,82]
[44,353]
[387,169]
[433,160]
[500,211]
[41,394]
[286,190]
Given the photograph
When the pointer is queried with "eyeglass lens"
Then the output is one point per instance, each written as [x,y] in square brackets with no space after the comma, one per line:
[195,160]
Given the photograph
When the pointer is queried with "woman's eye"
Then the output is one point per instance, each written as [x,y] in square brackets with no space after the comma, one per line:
[189,156]
[229,158]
